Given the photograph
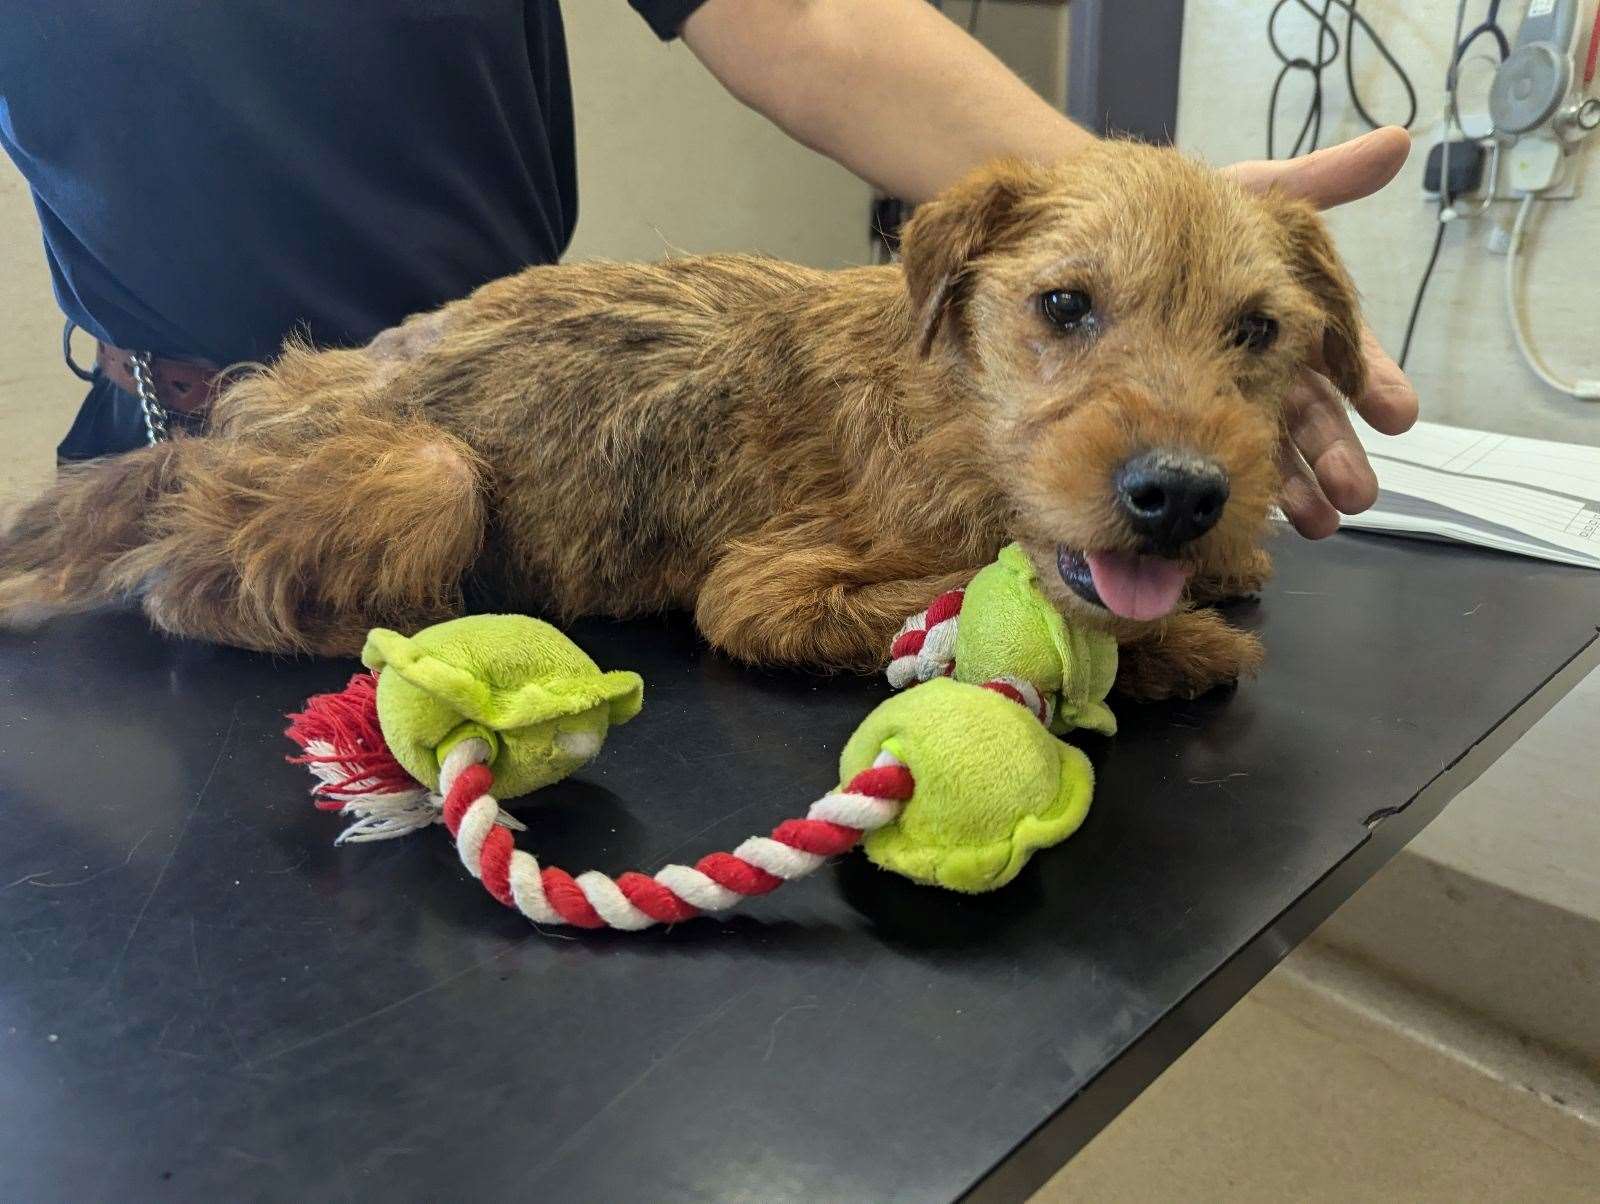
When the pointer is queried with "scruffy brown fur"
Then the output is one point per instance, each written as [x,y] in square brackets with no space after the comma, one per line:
[800,457]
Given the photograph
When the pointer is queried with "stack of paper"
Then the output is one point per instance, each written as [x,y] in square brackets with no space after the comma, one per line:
[1529,496]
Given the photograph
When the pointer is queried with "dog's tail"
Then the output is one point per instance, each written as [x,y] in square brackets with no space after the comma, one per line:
[285,547]
[58,550]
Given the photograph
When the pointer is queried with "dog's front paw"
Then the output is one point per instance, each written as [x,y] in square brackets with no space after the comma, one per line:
[1245,581]
[1185,656]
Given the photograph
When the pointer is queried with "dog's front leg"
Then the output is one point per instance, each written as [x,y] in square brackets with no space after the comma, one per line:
[1254,573]
[820,608]
[1184,656]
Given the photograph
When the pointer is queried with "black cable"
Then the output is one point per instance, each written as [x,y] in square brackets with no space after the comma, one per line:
[1313,121]
[1350,69]
[1311,129]
[1422,289]
[972,17]
[1490,25]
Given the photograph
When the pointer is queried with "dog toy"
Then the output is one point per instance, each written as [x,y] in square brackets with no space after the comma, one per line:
[950,783]
[526,700]
[1003,627]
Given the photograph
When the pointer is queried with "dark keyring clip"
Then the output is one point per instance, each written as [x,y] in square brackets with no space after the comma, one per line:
[66,351]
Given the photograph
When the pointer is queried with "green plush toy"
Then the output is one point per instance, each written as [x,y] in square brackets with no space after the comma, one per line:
[1003,627]
[529,692]
[956,782]
[992,785]
[1008,628]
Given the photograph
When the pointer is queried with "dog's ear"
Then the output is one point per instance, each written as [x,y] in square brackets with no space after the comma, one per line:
[947,233]
[1317,266]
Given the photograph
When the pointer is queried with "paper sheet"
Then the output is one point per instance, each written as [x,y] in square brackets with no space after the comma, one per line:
[1528,496]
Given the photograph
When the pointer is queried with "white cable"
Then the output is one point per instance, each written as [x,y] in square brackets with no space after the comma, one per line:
[1584,390]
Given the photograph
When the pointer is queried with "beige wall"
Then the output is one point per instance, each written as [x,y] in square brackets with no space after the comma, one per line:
[1029,36]
[669,161]
[1464,361]
[37,394]
[666,159]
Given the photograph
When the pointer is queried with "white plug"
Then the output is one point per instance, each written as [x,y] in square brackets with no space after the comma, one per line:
[1535,164]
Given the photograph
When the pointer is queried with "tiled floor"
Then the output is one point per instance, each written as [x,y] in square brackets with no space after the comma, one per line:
[1389,1058]
[1290,1097]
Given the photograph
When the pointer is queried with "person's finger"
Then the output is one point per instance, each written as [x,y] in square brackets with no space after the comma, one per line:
[1319,427]
[1301,499]
[1336,174]
[1390,403]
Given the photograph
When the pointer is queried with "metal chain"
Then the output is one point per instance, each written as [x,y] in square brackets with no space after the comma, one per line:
[155,414]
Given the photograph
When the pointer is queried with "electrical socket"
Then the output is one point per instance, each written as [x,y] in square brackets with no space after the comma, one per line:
[1564,189]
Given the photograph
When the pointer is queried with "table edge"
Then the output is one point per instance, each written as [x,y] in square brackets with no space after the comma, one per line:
[1038,1157]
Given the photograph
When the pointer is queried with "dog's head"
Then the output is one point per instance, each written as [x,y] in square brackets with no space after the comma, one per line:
[1127,325]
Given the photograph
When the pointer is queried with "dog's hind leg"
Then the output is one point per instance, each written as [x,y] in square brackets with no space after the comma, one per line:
[816,607]
[374,525]
[55,551]
[286,548]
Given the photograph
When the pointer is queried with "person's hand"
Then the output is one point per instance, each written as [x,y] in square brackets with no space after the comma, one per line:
[1325,470]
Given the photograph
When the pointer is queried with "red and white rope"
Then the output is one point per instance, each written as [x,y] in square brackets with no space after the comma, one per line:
[926,644]
[547,895]
[342,744]
[834,824]
[926,648]
[376,813]
[1041,706]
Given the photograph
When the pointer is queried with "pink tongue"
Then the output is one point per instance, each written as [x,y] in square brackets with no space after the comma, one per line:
[1136,587]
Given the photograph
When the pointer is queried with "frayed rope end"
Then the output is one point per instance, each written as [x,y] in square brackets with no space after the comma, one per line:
[341,742]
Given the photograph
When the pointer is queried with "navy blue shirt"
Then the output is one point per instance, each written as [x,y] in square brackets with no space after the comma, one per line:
[211,177]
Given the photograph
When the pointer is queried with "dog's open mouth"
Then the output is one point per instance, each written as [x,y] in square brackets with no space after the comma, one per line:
[1128,584]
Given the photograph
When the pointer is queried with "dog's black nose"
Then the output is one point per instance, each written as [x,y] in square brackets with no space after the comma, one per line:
[1170,497]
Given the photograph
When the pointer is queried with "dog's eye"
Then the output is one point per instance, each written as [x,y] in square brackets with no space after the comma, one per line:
[1066,308]
[1255,332]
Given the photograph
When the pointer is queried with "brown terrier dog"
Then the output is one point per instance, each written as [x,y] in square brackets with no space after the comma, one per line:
[1088,359]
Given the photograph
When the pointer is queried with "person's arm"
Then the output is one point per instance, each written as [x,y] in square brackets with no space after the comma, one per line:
[900,95]
[891,89]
